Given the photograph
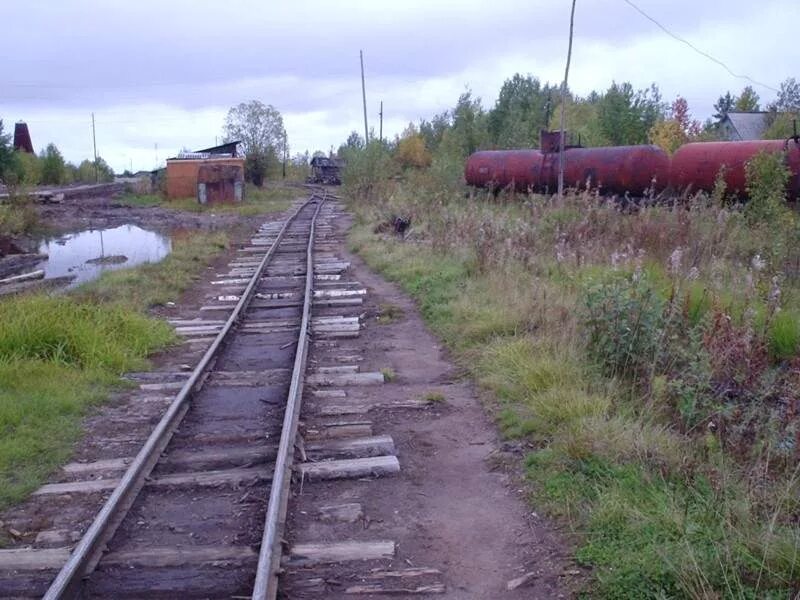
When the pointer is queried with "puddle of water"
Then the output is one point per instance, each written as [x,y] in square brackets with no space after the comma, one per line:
[87,254]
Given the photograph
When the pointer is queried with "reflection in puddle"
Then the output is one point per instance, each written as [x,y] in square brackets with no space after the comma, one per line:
[86,254]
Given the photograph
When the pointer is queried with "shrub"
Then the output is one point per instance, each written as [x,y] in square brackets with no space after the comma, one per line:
[784,335]
[767,176]
[623,318]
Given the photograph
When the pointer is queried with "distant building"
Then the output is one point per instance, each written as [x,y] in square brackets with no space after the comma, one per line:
[740,126]
[22,138]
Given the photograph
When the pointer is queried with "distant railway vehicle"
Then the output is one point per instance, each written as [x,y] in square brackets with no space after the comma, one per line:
[634,170]
[326,170]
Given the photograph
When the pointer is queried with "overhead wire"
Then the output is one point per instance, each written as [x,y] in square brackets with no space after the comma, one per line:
[698,50]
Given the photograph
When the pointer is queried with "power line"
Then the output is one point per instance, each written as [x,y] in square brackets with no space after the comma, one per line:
[696,49]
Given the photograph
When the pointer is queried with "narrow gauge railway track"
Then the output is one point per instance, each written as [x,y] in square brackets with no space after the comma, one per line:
[199,511]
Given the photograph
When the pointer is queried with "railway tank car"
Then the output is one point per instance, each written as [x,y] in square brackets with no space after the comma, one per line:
[635,170]
[695,165]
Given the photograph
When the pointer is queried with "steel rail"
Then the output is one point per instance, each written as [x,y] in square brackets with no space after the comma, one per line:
[89,549]
[266,584]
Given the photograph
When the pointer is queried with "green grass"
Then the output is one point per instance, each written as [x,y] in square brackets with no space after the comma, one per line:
[271,198]
[59,356]
[634,492]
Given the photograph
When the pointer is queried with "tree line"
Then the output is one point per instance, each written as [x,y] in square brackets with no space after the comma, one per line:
[619,115]
[46,168]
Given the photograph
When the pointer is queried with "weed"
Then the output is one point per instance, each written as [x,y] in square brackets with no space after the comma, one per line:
[434,397]
[646,356]
[389,313]
[388,374]
[767,176]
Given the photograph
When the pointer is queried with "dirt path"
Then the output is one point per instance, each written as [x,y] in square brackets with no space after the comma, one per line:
[453,507]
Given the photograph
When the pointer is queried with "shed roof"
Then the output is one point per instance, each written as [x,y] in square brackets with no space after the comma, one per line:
[747,125]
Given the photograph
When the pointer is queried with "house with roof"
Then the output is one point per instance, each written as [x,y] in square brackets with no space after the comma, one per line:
[739,126]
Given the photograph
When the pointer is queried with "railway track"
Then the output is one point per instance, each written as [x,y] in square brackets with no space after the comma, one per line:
[199,511]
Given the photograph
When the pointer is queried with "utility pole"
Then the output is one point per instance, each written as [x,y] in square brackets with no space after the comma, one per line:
[94,143]
[364,98]
[380,135]
[562,136]
[285,154]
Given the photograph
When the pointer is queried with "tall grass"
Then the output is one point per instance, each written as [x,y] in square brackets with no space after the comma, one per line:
[649,356]
[61,355]
[57,357]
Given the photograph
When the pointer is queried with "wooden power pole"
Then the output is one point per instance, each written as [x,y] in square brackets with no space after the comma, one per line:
[380,134]
[364,98]
[562,135]
[94,143]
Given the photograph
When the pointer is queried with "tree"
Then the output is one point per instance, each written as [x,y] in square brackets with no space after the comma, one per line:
[520,112]
[7,159]
[723,106]
[28,168]
[626,116]
[747,100]
[680,128]
[411,150]
[53,166]
[784,110]
[469,129]
[260,129]
[86,171]
[788,99]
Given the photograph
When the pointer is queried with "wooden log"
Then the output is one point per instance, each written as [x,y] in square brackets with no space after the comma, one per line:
[346,513]
[363,447]
[350,468]
[335,552]
[27,559]
[38,274]
[342,379]
[178,556]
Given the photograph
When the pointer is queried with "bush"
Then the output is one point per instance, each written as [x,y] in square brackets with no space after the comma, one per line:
[767,176]
[29,168]
[623,318]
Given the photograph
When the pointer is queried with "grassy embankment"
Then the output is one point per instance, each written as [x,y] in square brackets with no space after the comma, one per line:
[61,355]
[649,362]
[271,198]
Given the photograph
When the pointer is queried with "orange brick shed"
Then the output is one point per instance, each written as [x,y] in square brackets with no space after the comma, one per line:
[183,174]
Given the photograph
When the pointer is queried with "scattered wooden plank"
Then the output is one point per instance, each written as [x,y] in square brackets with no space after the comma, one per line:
[177,556]
[336,552]
[361,447]
[28,559]
[377,588]
[38,274]
[342,379]
[350,468]
[176,480]
[346,513]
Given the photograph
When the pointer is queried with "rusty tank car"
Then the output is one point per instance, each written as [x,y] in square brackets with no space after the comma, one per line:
[634,170]
[695,166]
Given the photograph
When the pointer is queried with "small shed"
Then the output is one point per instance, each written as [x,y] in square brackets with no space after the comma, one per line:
[738,126]
[206,177]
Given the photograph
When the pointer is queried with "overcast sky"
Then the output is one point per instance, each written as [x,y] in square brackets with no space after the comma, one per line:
[166,72]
